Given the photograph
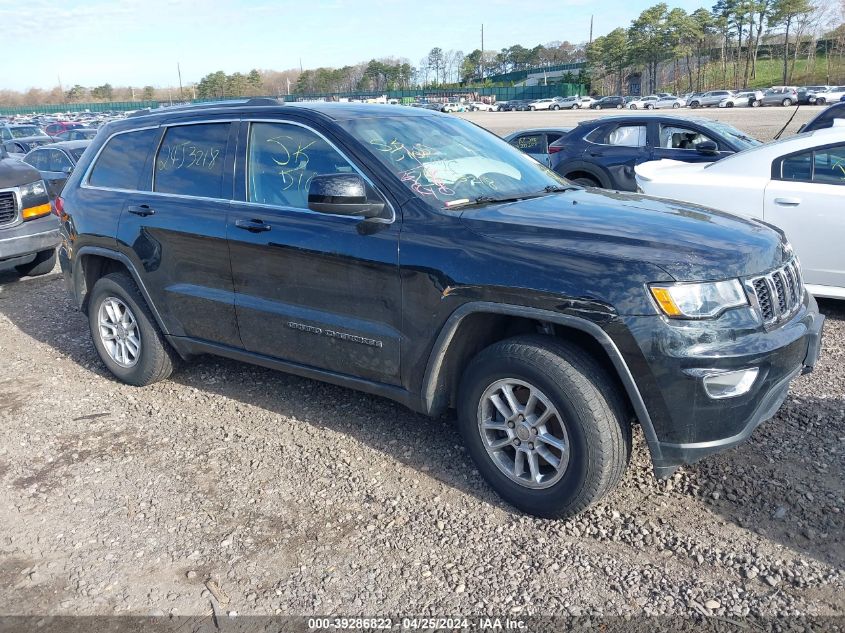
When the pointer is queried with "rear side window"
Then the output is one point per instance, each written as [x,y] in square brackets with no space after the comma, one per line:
[628,136]
[190,160]
[531,143]
[121,163]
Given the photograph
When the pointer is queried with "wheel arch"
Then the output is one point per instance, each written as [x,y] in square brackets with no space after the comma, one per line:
[577,167]
[451,353]
[94,262]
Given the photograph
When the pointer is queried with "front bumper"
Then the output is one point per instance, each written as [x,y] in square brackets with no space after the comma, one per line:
[27,239]
[687,423]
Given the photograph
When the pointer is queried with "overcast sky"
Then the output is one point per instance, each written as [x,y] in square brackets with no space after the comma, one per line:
[139,42]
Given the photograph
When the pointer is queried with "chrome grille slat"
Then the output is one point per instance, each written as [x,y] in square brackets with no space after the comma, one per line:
[8,207]
[778,294]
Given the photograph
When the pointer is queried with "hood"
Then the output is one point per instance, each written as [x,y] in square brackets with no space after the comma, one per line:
[687,241]
[14,172]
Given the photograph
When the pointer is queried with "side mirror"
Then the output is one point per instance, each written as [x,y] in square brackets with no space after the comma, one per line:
[707,147]
[67,170]
[342,194]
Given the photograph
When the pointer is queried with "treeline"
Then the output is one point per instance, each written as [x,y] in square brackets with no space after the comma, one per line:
[717,47]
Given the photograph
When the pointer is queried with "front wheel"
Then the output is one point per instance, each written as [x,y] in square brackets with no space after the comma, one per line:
[544,424]
[576,106]
[619,106]
[555,107]
[694,105]
[756,103]
[598,107]
[729,104]
[43,263]
[633,106]
[649,107]
[675,106]
[786,103]
[821,101]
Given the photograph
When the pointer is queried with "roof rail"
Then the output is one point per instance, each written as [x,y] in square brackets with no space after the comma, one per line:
[227,103]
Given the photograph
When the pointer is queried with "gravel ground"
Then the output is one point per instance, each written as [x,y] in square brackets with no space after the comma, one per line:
[295,497]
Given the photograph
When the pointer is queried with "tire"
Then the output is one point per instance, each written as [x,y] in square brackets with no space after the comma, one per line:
[555,107]
[43,263]
[756,103]
[155,359]
[633,106]
[729,104]
[786,102]
[593,437]
[598,107]
[821,101]
[694,105]
[619,106]
[649,107]
[532,108]
[585,181]
[676,105]
[577,106]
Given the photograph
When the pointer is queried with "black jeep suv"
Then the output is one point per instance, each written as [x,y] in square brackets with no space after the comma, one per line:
[416,256]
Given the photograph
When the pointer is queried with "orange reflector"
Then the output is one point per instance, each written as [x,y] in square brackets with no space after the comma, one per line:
[665,300]
[36,212]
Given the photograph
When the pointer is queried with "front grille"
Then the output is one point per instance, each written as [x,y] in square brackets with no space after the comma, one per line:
[778,294]
[8,207]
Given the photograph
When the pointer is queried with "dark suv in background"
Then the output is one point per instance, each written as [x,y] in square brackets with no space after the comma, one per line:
[413,255]
[603,152]
[606,103]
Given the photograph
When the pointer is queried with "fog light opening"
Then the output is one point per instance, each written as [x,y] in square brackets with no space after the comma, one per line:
[729,384]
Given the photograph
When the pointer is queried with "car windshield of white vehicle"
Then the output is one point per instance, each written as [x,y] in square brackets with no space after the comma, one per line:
[449,162]
[739,138]
[26,130]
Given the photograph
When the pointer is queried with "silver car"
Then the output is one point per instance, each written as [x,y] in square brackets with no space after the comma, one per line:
[669,101]
[782,96]
[709,99]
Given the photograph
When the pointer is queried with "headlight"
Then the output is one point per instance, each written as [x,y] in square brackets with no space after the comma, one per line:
[699,300]
[35,202]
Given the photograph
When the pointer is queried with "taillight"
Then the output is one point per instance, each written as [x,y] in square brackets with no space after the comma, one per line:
[59,205]
[554,149]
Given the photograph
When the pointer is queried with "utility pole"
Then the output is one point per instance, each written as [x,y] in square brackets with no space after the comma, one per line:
[179,71]
[591,29]
[481,61]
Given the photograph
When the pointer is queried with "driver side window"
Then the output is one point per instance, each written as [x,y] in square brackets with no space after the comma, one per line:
[283,158]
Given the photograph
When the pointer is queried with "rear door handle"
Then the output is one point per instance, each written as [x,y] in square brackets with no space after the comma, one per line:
[253,226]
[788,202]
[142,209]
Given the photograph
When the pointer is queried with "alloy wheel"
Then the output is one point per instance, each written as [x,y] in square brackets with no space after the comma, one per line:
[523,433]
[119,332]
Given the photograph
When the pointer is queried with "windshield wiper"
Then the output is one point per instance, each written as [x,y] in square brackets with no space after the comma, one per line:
[480,200]
[559,188]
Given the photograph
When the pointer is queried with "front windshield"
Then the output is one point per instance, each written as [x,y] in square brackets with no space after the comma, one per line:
[740,138]
[26,130]
[445,160]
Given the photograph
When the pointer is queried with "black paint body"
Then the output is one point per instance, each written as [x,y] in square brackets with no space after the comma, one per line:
[378,305]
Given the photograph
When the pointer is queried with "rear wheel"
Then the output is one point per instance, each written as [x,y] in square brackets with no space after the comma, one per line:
[694,105]
[675,106]
[633,106]
[821,100]
[619,106]
[125,333]
[585,181]
[649,107]
[544,424]
[729,104]
[598,107]
[43,263]
[786,102]
[555,107]
[576,106]
[756,103]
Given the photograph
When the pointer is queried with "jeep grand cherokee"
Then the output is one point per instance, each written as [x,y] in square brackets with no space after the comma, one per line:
[416,256]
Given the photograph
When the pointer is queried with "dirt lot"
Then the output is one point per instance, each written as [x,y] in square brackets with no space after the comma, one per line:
[299,498]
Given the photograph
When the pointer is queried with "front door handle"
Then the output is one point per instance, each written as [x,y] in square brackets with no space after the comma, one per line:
[253,226]
[788,202]
[142,209]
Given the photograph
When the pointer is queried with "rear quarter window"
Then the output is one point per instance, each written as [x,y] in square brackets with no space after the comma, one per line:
[120,165]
